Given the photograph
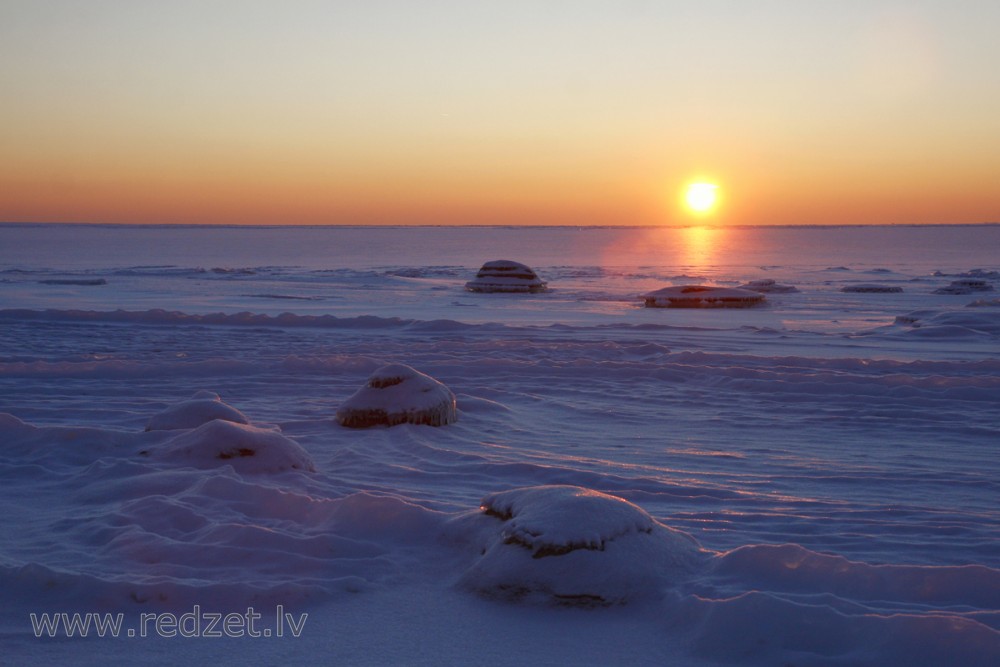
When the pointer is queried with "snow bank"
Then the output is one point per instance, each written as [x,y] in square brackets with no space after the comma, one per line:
[505,276]
[246,448]
[573,546]
[871,288]
[398,394]
[768,286]
[203,407]
[701,296]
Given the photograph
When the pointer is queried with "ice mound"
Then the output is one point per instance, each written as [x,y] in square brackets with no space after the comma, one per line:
[965,286]
[575,546]
[201,408]
[702,296]
[398,394]
[248,449]
[503,275]
[867,288]
[768,286]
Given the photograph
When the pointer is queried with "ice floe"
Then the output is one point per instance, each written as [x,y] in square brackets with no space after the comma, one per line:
[203,407]
[768,286]
[398,394]
[702,296]
[503,275]
[965,286]
[572,545]
[248,449]
[871,288]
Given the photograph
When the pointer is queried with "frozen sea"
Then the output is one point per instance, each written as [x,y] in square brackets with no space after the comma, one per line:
[813,481]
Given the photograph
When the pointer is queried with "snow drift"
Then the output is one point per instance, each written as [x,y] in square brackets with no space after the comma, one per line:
[246,448]
[201,408]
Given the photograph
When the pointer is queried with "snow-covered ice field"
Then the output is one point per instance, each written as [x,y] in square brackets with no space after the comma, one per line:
[813,481]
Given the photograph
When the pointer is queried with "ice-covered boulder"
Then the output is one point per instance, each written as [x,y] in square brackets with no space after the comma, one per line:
[702,296]
[965,286]
[571,545]
[867,288]
[248,449]
[203,407]
[398,394]
[503,275]
[768,286]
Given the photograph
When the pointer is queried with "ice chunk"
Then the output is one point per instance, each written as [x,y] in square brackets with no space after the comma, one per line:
[248,449]
[768,286]
[572,545]
[702,296]
[866,288]
[503,275]
[398,394]
[201,408]
[965,286]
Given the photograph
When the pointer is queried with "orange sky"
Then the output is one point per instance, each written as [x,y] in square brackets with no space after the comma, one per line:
[501,113]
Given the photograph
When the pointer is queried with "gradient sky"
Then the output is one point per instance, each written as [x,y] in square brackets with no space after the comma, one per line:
[476,112]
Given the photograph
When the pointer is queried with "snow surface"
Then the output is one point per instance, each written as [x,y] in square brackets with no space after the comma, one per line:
[818,477]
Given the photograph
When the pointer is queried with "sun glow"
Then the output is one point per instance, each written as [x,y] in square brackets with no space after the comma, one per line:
[701,197]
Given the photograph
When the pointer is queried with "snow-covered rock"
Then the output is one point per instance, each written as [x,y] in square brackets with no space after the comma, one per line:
[965,286]
[572,545]
[702,296]
[866,288]
[768,286]
[506,276]
[201,408]
[248,449]
[398,394]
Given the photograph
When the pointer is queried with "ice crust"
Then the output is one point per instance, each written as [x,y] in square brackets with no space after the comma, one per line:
[398,394]
[503,275]
[702,296]
[203,407]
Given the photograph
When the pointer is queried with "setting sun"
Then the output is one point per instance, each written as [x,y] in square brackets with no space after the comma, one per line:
[701,197]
